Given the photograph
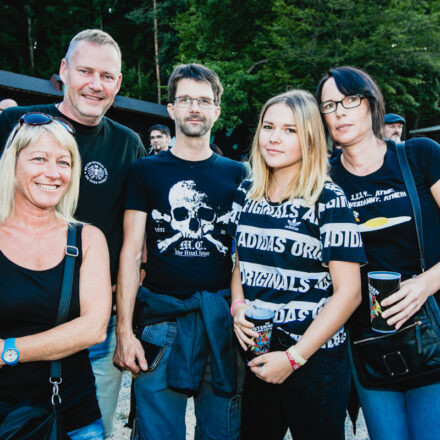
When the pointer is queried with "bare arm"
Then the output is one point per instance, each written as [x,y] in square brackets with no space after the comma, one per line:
[90,327]
[129,352]
[414,292]
[242,327]
[345,299]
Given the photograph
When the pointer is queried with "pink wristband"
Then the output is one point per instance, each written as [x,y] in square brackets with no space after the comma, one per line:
[295,365]
[238,301]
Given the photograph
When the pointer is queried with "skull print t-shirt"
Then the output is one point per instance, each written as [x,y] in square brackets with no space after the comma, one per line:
[188,204]
[284,250]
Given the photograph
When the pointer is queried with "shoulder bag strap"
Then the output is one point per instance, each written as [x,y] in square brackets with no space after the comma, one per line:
[415,203]
[413,197]
[71,252]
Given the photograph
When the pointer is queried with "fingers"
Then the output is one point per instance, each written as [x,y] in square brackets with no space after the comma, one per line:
[240,315]
[258,362]
[245,323]
[404,303]
[239,337]
[141,360]
[400,318]
[242,336]
[130,355]
[272,367]
[394,298]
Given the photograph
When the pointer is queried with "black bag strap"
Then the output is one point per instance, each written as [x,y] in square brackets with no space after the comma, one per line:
[413,197]
[415,203]
[71,252]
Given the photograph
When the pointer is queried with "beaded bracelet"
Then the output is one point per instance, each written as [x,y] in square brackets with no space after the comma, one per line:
[238,301]
[296,356]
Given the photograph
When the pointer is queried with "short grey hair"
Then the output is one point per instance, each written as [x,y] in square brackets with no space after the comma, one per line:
[96,36]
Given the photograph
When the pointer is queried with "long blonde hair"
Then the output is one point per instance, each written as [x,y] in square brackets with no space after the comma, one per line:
[20,138]
[313,174]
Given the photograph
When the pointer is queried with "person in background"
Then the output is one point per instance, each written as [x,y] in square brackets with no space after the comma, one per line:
[393,127]
[40,171]
[160,138]
[367,168]
[298,251]
[181,200]
[6,103]
[91,73]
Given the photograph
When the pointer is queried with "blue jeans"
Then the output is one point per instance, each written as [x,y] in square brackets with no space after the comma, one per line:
[161,411]
[400,415]
[107,376]
[94,431]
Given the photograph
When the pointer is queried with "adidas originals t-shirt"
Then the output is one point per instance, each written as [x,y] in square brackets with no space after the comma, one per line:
[284,250]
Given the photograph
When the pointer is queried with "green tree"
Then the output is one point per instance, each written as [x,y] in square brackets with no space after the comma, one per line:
[258,48]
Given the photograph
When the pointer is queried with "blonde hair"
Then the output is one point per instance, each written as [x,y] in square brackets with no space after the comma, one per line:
[313,173]
[95,36]
[21,137]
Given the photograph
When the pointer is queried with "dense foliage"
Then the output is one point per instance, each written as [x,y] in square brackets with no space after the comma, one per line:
[259,48]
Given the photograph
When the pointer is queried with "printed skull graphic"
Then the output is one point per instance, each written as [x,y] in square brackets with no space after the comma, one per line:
[190,215]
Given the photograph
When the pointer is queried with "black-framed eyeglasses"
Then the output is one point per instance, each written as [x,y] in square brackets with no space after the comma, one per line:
[347,102]
[37,118]
[186,102]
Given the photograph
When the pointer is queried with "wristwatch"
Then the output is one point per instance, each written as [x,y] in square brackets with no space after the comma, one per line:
[10,353]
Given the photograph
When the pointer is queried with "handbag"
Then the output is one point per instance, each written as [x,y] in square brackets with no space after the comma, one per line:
[28,422]
[409,357]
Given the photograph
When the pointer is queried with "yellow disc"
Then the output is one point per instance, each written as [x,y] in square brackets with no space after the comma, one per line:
[375,222]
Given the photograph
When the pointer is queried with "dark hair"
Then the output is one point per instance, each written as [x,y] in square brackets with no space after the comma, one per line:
[197,72]
[351,81]
[159,127]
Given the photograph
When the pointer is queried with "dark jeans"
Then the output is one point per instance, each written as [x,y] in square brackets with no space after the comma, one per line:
[311,402]
[161,410]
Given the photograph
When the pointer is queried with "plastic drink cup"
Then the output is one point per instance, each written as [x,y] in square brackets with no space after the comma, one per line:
[263,324]
[381,285]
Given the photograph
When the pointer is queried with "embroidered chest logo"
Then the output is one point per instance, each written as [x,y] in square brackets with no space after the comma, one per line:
[95,172]
[292,224]
[192,220]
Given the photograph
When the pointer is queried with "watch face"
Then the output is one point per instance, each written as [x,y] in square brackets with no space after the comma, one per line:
[10,355]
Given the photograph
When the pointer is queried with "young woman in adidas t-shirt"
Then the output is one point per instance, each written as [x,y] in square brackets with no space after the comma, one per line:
[301,264]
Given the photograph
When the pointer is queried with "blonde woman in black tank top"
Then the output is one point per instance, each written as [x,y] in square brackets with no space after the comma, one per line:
[40,172]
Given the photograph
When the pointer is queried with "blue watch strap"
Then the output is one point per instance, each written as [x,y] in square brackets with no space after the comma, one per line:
[10,345]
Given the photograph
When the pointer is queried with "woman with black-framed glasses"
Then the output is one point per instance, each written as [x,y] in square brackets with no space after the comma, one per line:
[40,173]
[367,169]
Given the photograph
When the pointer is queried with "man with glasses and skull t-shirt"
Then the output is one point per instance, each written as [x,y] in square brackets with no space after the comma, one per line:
[181,200]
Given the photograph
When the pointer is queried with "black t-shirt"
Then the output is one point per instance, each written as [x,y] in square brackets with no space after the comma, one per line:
[107,151]
[384,212]
[29,301]
[284,250]
[188,205]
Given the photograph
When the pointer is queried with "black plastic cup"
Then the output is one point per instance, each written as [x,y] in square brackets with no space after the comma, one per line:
[263,324]
[381,285]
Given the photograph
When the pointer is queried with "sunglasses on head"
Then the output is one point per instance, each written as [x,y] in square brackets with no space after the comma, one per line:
[36,118]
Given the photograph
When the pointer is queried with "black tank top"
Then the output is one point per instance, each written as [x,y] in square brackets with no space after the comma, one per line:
[29,302]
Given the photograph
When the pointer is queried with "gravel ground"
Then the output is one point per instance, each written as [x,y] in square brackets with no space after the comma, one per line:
[122,433]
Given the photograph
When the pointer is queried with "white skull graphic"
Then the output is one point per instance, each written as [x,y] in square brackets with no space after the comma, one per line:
[190,215]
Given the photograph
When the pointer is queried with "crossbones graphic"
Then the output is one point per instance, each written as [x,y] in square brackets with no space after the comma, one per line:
[190,216]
